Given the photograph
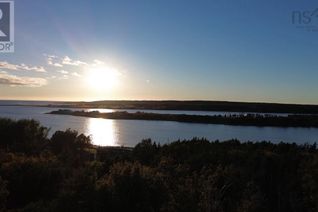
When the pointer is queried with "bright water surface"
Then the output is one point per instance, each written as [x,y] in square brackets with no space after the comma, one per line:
[108,132]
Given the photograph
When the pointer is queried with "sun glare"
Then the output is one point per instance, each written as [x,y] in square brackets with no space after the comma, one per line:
[102,78]
[103,131]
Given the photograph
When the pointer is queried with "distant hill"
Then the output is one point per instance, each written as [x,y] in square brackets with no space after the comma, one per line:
[197,105]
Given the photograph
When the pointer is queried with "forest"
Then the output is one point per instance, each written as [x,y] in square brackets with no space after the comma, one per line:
[254,107]
[67,173]
[231,119]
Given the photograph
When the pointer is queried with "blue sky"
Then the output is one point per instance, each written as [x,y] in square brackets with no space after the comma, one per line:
[212,50]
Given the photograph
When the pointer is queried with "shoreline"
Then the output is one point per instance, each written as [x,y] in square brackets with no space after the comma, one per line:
[226,106]
[304,121]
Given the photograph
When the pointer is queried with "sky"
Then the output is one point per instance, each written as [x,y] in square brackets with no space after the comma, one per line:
[240,50]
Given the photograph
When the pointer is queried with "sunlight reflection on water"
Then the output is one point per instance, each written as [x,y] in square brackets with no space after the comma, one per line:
[130,132]
[103,132]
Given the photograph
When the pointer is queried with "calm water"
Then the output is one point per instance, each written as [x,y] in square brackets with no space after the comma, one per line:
[130,132]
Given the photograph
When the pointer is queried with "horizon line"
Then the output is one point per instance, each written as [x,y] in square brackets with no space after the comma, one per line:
[162,100]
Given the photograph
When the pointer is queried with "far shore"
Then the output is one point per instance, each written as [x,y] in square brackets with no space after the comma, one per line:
[198,105]
[240,120]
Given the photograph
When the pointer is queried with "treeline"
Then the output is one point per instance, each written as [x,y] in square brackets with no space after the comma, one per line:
[67,173]
[242,120]
[197,105]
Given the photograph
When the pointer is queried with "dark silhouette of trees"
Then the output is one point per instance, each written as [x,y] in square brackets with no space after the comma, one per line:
[146,151]
[30,179]
[26,136]
[3,194]
[70,146]
[245,107]
[132,187]
[234,119]
[197,175]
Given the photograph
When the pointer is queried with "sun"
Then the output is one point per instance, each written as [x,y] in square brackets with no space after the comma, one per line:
[102,78]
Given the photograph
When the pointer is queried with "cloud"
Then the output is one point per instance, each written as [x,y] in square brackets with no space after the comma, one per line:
[63,72]
[12,80]
[33,68]
[97,62]
[21,67]
[51,60]
[79,66]
[54,64]
[56,61]
[50,55]
[76,74]
[68,61]
[51,77]
[66,74]
[64,77]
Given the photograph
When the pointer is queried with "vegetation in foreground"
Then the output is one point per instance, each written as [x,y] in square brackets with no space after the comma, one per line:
[241,120]
[67,173]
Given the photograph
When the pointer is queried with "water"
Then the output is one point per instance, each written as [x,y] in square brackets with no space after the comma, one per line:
[106,132]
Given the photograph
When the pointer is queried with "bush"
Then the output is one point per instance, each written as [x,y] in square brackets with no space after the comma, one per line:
[26,136]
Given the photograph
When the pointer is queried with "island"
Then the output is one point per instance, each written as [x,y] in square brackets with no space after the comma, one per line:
[233,119]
